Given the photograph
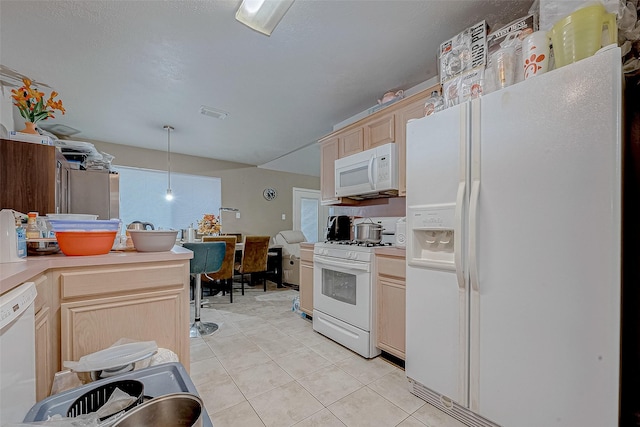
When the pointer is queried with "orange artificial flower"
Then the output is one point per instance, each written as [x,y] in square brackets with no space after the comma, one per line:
[30,102]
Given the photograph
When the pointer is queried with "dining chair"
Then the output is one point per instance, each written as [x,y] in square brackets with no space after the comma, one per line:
[237,235]
[254,258]
[207,258]
[224,276]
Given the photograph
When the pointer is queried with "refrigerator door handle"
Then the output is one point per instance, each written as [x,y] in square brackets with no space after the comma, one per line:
[473,216]
[370,170]
[457,239]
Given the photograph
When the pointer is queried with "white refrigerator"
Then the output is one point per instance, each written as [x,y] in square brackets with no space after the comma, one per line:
[513,251]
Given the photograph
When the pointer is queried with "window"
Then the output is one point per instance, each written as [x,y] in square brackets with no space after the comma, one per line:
[142,194]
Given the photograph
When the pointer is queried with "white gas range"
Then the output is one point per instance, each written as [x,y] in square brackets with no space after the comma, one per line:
[344,297]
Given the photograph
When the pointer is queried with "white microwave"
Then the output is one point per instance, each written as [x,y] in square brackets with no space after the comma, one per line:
[368,174]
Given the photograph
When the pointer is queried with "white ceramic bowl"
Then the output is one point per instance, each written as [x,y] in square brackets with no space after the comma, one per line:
[153,240]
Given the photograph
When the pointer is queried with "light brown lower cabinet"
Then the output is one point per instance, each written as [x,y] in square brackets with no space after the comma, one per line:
[306,281]
[45,335]
[141,302]
[44,354]
[391,291]
[82,310]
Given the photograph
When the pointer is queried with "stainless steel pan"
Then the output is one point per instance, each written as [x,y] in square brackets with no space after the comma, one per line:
[368,232]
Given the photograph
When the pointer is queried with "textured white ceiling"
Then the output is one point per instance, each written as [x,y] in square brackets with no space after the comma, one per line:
[125,68]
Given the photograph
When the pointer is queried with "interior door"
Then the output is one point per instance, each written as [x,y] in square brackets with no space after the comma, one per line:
[309,215]
[548,248]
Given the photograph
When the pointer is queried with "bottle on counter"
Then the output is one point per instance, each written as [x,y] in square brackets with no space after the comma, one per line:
[32,231]
[434,103]
[21,239]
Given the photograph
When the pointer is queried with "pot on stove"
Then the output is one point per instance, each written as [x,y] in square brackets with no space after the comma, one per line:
[368,232]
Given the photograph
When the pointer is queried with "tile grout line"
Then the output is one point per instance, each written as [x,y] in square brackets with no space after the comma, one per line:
[267,319]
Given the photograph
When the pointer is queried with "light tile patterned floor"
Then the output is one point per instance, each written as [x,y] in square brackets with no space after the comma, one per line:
[266,367]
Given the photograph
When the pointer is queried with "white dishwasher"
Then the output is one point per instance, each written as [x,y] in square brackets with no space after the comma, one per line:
[17,353]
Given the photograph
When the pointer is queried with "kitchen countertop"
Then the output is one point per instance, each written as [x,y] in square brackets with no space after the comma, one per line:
[13,274]
[391,251]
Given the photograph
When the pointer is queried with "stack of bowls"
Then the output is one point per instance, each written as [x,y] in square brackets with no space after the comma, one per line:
[85,237]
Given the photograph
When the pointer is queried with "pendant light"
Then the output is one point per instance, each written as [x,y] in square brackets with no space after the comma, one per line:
[169,195]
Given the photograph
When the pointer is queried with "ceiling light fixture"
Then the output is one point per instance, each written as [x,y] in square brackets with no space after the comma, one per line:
[212,112]
[262,15]
[169,195]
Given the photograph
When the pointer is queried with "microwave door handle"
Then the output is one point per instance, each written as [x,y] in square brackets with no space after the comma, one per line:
[370,170]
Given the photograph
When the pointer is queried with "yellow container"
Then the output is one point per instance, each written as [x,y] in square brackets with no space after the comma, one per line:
[580,34]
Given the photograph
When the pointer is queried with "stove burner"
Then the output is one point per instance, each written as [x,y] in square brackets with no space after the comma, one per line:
[356,243]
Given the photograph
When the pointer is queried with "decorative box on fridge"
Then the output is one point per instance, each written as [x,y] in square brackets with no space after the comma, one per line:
[462,62]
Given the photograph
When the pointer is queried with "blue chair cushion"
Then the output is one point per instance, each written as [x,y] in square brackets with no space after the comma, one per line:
[207,256]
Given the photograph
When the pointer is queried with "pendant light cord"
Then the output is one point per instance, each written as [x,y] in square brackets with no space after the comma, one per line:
[169,129]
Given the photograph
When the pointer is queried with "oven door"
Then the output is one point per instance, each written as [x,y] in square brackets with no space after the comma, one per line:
[342,289]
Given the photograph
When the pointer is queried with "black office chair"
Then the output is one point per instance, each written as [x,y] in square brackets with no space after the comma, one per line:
[207,258]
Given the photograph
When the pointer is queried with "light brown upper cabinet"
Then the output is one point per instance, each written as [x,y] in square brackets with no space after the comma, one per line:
[382,127]
[350,142]
[380,131]
[328,155]
[410,111]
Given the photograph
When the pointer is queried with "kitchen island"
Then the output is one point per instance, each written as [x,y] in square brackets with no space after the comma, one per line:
[87,303]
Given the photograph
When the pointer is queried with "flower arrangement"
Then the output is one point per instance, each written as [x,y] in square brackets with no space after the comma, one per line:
[209,224]
[32,105]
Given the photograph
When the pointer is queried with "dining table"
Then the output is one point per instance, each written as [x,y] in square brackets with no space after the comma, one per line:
[274,262]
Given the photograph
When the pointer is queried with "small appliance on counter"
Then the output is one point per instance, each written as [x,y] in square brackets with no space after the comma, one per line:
[339,228]
[401,232]
[13,247]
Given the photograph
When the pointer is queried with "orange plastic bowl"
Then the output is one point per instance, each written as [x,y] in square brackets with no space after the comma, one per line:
[85,242]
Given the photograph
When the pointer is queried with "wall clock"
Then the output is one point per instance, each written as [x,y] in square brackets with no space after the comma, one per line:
[269,193]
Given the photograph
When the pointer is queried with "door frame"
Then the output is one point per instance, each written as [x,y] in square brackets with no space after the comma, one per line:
[323,211]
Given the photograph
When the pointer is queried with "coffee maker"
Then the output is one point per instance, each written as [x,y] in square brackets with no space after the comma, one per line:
[339,228]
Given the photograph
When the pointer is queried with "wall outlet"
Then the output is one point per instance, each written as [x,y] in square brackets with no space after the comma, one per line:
[237,215]
[284,217]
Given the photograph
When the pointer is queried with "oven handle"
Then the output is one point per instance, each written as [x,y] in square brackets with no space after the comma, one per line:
[340,264]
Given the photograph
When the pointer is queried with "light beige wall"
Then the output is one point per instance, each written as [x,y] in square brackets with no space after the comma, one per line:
[242,186]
